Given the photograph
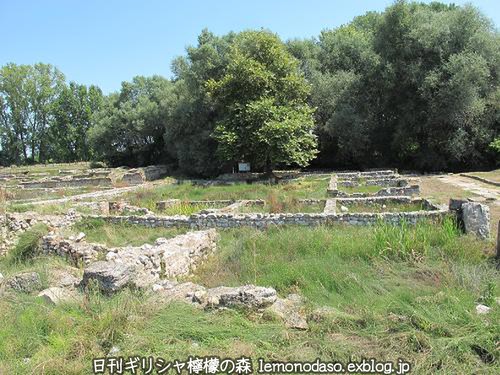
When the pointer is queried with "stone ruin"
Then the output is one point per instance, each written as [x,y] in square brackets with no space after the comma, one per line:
[154,268]
[391,183]
[104,177]
[162,267]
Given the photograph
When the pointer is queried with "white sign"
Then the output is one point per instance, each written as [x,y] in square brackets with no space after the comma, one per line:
[243,167]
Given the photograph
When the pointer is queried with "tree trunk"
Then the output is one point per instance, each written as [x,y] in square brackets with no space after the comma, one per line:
[273,179]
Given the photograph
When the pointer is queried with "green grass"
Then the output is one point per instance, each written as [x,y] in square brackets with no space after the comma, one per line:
[119,235]
[288,206]
[184,208]
[307,187]
[366,189]
[393,292]
[25,195]
[389,207]
[491,175]
[28,244]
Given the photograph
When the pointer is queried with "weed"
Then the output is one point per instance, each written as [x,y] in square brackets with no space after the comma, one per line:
[28,243]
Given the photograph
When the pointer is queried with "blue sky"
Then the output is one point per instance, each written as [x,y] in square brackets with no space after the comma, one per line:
[109,41]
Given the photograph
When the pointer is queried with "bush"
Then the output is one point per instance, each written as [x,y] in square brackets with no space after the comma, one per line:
[97,164]
[28,243]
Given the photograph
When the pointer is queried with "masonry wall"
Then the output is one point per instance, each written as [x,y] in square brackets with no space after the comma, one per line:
[220,220]
[74,182]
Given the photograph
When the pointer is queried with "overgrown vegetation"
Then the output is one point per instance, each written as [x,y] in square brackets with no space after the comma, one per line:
[308,187]
[391,293]
[278,204]
[28,244]
[118,235]
[384,207]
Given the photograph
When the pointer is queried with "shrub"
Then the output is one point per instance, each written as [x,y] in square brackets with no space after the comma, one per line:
[28,243]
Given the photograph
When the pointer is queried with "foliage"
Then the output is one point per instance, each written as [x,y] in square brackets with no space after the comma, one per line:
[415,86]
[28,243]
[188,134]
[262,97]
[129,127]
[73,111]
[26,96]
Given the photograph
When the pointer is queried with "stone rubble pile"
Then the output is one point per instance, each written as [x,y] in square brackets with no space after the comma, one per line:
[142,266]
[290,309]
[13,224]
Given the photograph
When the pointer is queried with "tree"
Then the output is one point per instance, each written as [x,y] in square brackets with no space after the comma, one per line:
[261,99]
[27,95]
[188,131]
[415,86]
[73,117]
[130,126]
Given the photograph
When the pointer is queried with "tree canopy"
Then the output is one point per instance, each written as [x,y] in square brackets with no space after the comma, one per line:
[262,102]
[415,87]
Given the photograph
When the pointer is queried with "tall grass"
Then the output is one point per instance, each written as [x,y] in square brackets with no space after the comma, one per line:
[28,244]
[382,302]
[302,188]
[99,231]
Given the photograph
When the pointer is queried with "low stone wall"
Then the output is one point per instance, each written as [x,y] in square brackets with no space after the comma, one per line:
[389,191]
[220,220]
[13,224]
[367,174]
[138,176]
[387,182]
[479,178]
[406,190]
[66,182]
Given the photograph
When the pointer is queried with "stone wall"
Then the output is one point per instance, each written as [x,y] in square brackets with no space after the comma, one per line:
[62,182]
[138,176]
[387,182]
[260,220]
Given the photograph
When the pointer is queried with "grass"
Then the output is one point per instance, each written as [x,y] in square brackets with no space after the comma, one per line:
[27,244]
[51,169]
[392,292]
[27,195]
[278,204]
[491,175]
[185,208]
[436,190]
[389,207]
[366,189]
[43,209]
[119,235]
[307,187]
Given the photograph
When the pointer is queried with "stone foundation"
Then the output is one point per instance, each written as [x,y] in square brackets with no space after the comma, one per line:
[62,182]
[258,220]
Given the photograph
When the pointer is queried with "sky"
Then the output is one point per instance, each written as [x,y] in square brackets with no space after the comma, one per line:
[105,42]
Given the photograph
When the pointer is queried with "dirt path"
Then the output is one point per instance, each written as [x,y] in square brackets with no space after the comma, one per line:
[476,187]
[440,188]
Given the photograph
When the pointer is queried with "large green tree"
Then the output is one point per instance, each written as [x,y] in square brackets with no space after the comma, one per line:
[129,128]
[73,117]
[27,93]
[189,129]
[415,86]
[261,100]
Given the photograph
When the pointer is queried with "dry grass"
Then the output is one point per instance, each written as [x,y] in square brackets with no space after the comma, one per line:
[491,175]
[440,192]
